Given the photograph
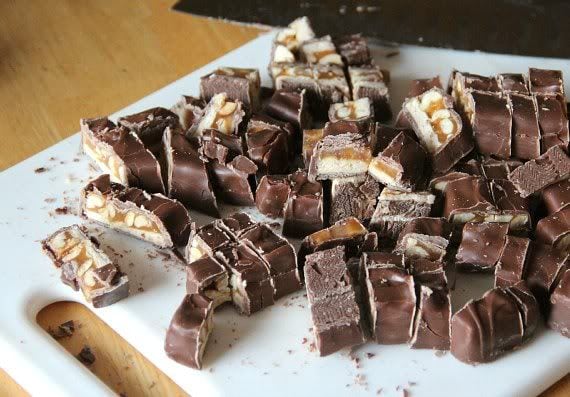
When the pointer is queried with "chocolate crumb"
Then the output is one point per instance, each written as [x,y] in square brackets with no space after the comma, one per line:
[64,330]
[379,391]
[140,289]
[62,210]
[392,54]
[40,170]
[86,356]
[50,200]
[304,341]
[370,355]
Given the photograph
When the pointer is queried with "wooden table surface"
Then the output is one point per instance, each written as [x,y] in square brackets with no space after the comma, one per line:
[67,59]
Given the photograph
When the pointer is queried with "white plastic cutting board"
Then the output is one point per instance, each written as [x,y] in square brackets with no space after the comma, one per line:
[268,356]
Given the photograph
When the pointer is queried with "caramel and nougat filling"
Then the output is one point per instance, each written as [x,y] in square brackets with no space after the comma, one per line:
[345,229]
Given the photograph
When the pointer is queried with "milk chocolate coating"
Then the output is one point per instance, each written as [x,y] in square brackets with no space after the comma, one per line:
[350,198]
[551,229]
[559,318]
[353,49]
[332,300]
[474,167]
[303,213]
[268,149]
[149,126]
[182,343]
[202,274]
[143,169]
[456,149]
[260,121]
[492,124]
[186,174]
[236,87]
[544,81]
[236,224]
[491,168]
[551,167]
[383,136]
[528,307]
[509,201]
[332,88]
[513,83]
[378,94]
[486,328]
[291,106]
[553,122]
[481,246]
[433,313]
[511,266]
[472,81]
[211,237]
[431,236]
[271,195]
[556,196]
[189,110]
[419,86]
[526,132]
[469,194]
[346,127]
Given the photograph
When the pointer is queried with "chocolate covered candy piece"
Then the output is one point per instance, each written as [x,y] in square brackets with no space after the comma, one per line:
[149,126]
[332,85]
[439,183]
[486,328]
[438,127]
[526,132]
[513,208]
[269,150]
[120,153]
[353,49]
[417,87]
[332,300]
[528,307]
[310,140]
[481,246]
[553,121]
[554,230]
[84,266]
[295,33]
[206,240]
[425,238]
[492,122]
[551,167]
[359,112]
[462,84]
[239,84]
[189,329]
[469,200]
[303,213]
[383,135]
[556,196]
[353,197]
[320,50]
[340,156]
[401,165]
[371,82]
[290,106]
[391,299]
[150,217]
[545,81]
[279,257]
[221,114]
[236,224]
[207,277]
[189,110]
[544,268]
[395,209]
[433,312]
[491,168]
[513,83]
[272,194]
[296,77]
[510,267]
[250,281]
[559,318]
[186,173]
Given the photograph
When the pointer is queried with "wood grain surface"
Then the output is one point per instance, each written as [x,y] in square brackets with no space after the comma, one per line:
[66,59]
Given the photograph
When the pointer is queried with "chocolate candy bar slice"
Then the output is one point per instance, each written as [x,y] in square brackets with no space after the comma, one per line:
[528,307]
[295,77]
[401,165]
[511,266]
[545,81]
[525,130]
[513,83]
[371,82]
[332,85]
[554,230]
[207,277]
[553,121]
[149,126]
[353,197]
[239,84]
[249,278]
[272,194]
[551,167]
[433,312]
[186,173]
[417,87]
[395,209]
[120,153]
[279,257]
[492,122]
[290,106]
[189,329]
[153,218]
[189,110]
[469,200]
[332,301]
[310,140]
[85,266]
[391,299]
[206,240]
[383,135]
[513,208]
[320,50]
[556,196]
[222,114]
[303,213]
[481,246]
[424,238]
[353,49]
[268,149]
[559,318]
[294,34]
[490,168]
[340,156]
[486,328]
[236,224]
[358,112]
[462,84]
[438,127]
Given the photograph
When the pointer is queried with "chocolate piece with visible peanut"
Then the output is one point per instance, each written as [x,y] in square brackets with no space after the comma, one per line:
[425,238]
[288,40]
[554,230]
[239,84]
[206,240]
[207,277]
[320,51]
[189,110]
[358,112]
[513,208]
[221,114]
